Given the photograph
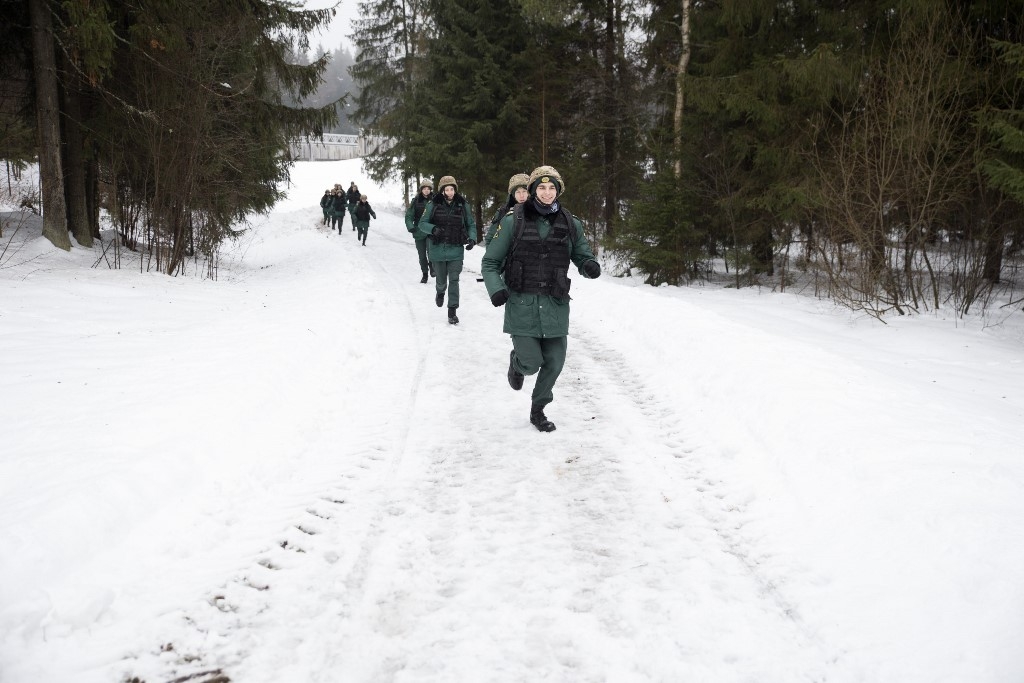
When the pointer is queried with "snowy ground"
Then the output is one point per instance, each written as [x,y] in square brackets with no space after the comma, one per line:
[301,472]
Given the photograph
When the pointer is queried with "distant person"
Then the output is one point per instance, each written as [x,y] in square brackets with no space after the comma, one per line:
[361,216]
[325,204]
[338,207]
[525,269]
[352,197]
[448,222]
[412,217]
[517,194]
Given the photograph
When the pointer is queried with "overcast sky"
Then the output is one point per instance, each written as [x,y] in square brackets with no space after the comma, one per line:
[337,33]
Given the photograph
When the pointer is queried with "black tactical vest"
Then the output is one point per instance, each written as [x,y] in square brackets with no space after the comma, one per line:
[450,218]
[537,266]
[418,205]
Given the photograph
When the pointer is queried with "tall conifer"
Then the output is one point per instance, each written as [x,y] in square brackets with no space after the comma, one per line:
[473,98]
[388,69]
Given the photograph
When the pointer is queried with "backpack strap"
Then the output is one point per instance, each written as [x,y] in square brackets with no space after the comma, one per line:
[520,225]
[571,221]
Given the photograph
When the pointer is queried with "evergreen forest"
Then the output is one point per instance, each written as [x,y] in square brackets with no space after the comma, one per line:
[173,115]
[868,149]
[337,88]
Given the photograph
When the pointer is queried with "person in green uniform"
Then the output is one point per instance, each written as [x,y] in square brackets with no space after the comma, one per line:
[325,203]
[525,269]
[338,209]
[352,198]
[361,216]
[518,193]
[412,217]
[448,223]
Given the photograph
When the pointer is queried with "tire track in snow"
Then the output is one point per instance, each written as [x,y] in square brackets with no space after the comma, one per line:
[678,462]
[470,543]
[567,545]
[338,528]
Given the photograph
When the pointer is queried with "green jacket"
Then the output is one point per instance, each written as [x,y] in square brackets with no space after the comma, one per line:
[532,315]
[440,251]
[361,214]
[337,205]
[410,217]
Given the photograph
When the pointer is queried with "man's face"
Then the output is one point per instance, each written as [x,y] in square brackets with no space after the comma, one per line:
[521,195]
[546,192]
[449,191]
[425,190]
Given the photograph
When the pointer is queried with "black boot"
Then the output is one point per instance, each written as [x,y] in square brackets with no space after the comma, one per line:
[515,378]
[423,280]
[452,318]
[538,419]
[439,299]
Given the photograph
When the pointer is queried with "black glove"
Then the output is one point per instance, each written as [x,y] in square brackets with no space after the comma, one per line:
[470,244]
[436,232]
[499,298]
[592,269]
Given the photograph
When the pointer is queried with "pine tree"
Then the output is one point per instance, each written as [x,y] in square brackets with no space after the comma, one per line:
[389,64]
[17,129]
[1005,170]
[55,226]
[184,104]
[196,120]
[472,106]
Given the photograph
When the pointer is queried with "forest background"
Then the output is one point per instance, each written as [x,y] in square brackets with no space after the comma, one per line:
[869,151]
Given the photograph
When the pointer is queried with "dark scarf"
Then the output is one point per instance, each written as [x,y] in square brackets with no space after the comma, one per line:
[545,209]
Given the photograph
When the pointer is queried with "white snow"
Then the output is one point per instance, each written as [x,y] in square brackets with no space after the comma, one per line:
[301,472]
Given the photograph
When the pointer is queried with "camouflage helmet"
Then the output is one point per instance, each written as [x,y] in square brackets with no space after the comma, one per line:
[518,180]
[546,174]
[447,180]
[362,197]
[427,182]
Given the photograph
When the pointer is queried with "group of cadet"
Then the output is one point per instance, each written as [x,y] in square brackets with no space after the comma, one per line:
[530,244]
[336,202]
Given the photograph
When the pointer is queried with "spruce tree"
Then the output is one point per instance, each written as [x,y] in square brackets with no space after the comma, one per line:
[51,173]
[184,107]
[196,123]
[388,68]
[1005,170]
[472,106]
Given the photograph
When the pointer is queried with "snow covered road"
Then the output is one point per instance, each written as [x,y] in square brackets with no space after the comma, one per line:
[303,473]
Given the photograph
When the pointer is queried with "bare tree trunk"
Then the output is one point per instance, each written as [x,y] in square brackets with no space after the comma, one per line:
[55,227]
[684,61]
[993,249]
[92,195]
[611,106]
[75,186]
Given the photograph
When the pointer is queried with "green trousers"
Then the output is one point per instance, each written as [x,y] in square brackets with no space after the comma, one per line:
[446,274]
[421,249]
[544,357]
